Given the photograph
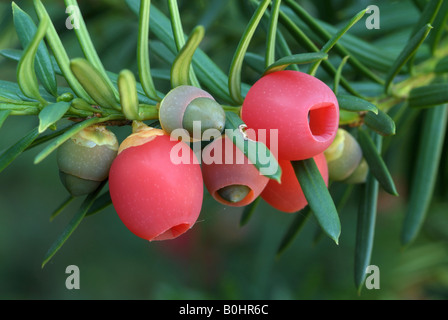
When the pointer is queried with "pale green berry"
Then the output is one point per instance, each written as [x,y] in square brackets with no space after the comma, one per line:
[343,156]
[84,160]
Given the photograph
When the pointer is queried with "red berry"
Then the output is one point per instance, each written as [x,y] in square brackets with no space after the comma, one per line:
[288,196]
[154,197]
[229,176]
[302,108]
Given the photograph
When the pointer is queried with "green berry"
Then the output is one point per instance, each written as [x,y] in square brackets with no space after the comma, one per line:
[207,112]
[78,186]
[343,156]
[185,105]
[86,157]
[360,174]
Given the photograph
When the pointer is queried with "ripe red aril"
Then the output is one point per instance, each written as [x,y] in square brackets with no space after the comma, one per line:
[302,108]
[229,175]
[288,196]
[155,196]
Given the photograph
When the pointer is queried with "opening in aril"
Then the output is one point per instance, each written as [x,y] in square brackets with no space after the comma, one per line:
[322,119]
[173,232]
[234,193]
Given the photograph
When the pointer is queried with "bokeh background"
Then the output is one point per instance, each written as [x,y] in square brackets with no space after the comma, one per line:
[216,259]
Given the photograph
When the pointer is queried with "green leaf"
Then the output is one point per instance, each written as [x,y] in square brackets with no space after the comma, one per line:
[355,104]
[442,66]
[338,75]
[318,197]
[428,96]
[11,90]
[300,58]
[334,41]
[240,52]
[61,207]
[408,52]
[16,54]
[179,36]
[364,50]
[381,123]
[439,24]
[365,229]
[255,61]
[303,40]
[100,203]
[3,115]
[284,49]
[420,4]
[315,26]
[59,52]
[348,117]
[26,74]
[180,70]
[211,76]
[25,29]
[257,152]
[49,136]
[426,171]
[340,198]
[294,228]
[73,224]
[272,33]
[51,114]
[87,45]
[176,24]
[20,108]
[376,163]
[248,211]
[427,16]
[15,150]
[64,137]
[144,68]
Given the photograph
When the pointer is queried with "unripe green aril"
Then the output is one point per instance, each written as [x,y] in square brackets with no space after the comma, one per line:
[359,175]
[343,156]
[85,159]
[77,186]
[185,105]
[208,112]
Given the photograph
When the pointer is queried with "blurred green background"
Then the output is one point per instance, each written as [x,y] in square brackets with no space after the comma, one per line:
[217,259]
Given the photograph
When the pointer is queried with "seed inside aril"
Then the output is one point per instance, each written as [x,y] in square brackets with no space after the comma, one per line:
[234,193]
